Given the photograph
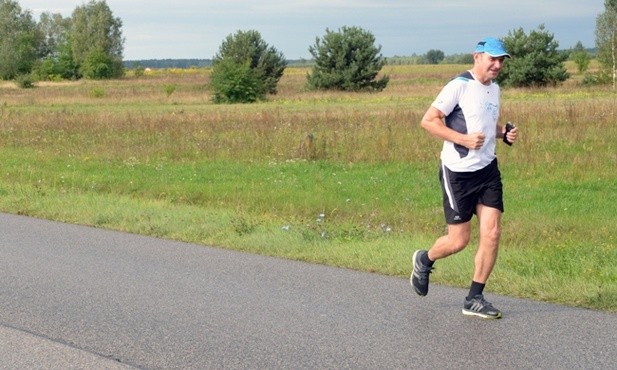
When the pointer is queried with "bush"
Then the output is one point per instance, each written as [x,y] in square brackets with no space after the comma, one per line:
[46,69]
[600,78]
[580,56]
[25,81]
[139,70]
[234,82]
[98,65]
[169,89]
[346,60]
[245,69]
[97,92]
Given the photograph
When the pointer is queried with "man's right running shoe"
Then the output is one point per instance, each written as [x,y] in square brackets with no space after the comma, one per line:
[478,306]
[419,274]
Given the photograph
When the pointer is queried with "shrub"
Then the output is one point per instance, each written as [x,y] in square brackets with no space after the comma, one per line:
[25,81]
[580,56]
[169,89]
[139,70]
[97,92]
[245,69]
[234,82]
[600,78]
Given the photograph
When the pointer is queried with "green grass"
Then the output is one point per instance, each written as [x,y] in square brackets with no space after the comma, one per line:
[364,195]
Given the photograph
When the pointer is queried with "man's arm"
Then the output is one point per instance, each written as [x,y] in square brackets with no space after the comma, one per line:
[433,122]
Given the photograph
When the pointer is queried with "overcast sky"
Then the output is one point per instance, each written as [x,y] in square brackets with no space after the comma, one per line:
[177,29]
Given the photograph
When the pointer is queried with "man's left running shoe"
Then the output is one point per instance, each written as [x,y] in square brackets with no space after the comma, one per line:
[419,273]
[478,306]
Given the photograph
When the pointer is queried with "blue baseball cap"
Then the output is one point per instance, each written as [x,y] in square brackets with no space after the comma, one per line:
[492,47]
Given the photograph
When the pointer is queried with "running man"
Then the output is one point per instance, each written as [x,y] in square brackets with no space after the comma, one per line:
[465,116]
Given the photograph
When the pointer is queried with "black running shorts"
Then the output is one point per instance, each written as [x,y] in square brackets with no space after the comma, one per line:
[463,191]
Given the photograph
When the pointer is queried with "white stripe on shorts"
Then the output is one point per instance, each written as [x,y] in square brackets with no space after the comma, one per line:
[448,188]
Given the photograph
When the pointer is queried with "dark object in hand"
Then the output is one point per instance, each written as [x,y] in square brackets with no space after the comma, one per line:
[509,127]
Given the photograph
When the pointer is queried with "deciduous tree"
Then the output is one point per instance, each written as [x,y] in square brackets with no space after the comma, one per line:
[606,39]
[20,40]
[57,57]
[435,56]
[96,37]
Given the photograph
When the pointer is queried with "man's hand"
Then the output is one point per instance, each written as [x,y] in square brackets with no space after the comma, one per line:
[473,141]
[510,135]
[433,122]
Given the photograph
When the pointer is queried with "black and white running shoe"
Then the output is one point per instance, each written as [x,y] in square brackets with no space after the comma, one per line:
[478,306]
[419,274]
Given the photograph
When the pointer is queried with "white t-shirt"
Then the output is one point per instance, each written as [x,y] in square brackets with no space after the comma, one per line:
[469,106]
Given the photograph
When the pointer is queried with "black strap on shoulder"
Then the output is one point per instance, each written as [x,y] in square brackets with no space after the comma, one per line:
[466,75]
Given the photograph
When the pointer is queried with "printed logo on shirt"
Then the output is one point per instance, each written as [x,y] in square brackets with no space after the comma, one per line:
[492,109]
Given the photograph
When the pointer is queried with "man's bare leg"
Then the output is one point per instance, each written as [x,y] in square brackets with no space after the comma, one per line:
[456,240]
[490,232]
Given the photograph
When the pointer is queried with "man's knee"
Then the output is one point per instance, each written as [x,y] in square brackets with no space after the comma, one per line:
[491,234]
[458,245]
[490,224]
[459,238]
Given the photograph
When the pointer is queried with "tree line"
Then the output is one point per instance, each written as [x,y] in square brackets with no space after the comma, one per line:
[89,44]
[167,63]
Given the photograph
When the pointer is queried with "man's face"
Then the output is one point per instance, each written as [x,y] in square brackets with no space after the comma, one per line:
[488,66]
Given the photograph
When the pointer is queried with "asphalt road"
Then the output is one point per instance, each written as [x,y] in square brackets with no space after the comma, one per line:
[84,298]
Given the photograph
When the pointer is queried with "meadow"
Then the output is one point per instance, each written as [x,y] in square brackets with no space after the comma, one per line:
[344,179]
